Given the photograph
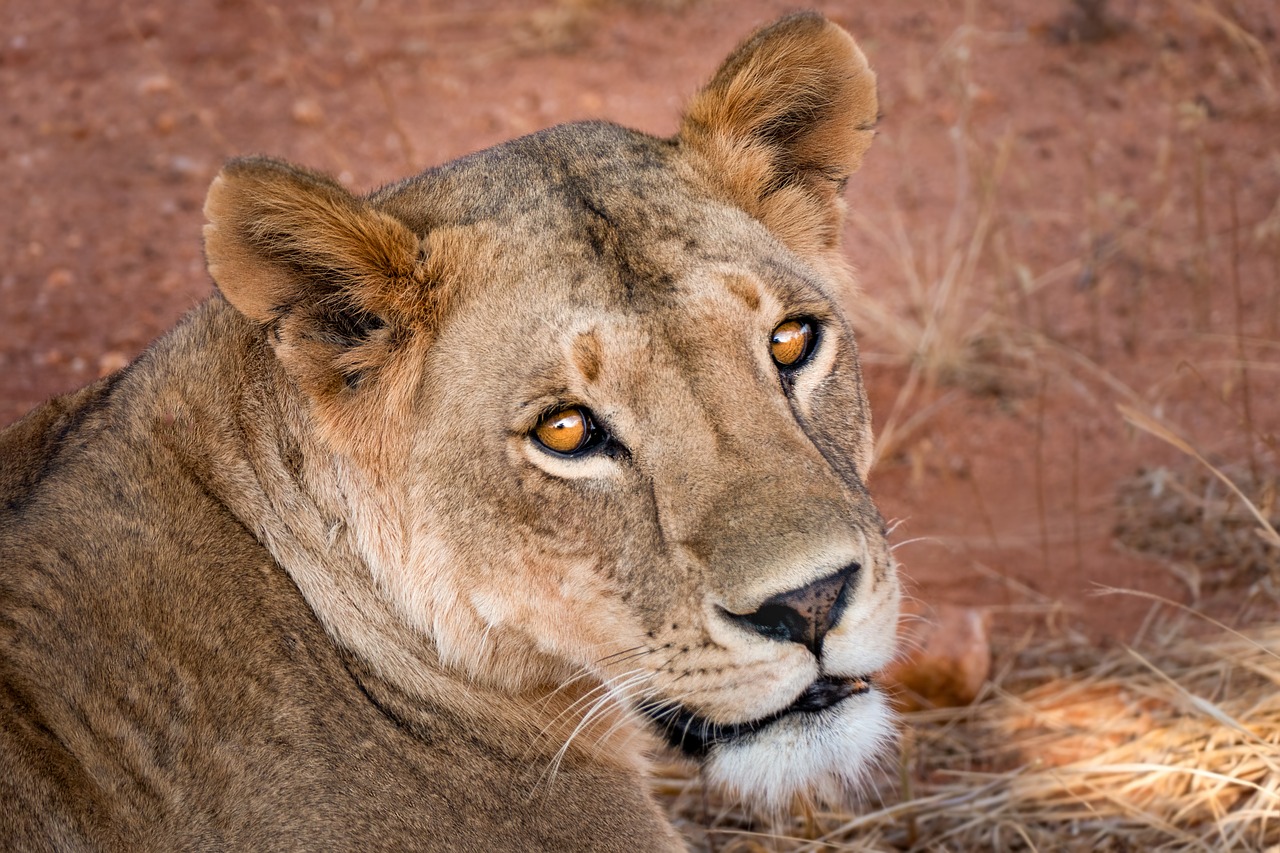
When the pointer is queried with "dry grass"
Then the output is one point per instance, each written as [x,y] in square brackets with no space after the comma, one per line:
[1202,522]
[1204,532]
[946,316]
[1175,747]
[1265,530]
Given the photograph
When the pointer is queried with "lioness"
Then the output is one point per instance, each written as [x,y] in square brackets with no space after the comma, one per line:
[456,500]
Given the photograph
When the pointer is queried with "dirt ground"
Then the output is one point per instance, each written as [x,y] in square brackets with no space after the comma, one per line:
[1070,207]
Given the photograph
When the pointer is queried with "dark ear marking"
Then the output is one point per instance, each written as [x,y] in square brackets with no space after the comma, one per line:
[352,379]
[347,328]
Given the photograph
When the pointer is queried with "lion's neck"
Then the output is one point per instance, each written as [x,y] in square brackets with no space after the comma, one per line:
[246,433]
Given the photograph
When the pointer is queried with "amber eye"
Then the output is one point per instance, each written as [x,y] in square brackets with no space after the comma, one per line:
[568,431]
[792,342]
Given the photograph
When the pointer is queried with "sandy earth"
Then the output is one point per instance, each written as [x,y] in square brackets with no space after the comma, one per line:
[1112,179]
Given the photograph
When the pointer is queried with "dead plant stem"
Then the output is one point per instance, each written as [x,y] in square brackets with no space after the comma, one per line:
[1246,404]
[1041,509]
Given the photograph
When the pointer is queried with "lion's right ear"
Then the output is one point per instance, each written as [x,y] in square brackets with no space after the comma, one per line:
[328,274]
[342,290]
[278,235]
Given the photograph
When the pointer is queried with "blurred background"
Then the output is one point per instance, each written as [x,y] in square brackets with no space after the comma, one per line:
[1068,241]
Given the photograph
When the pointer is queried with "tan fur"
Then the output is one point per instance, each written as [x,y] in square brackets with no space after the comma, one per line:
[301,576]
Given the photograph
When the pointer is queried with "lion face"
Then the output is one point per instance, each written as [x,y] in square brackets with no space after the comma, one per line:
[684,483]
[598,415]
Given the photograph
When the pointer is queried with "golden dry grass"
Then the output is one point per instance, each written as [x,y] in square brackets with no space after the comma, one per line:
[1173,747]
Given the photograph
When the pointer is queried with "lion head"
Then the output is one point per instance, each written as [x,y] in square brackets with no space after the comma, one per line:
[593,415]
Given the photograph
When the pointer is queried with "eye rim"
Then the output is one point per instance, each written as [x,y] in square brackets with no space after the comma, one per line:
[592,435]
[810,345]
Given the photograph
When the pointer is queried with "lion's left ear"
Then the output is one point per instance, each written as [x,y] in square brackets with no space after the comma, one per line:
[782,126]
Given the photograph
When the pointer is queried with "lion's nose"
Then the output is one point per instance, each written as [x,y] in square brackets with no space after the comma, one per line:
[803,615]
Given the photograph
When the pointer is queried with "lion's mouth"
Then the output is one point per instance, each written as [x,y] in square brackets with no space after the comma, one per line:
[694,735]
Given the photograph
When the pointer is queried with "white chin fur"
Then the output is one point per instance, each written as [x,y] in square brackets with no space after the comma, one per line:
[823,755]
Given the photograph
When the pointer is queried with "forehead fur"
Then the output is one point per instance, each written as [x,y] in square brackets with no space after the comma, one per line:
[603,205]
[563,168]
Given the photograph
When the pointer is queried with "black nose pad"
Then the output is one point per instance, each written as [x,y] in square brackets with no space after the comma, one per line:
[803,615]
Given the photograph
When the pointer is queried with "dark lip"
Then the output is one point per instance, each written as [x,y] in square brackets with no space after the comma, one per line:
[694,735]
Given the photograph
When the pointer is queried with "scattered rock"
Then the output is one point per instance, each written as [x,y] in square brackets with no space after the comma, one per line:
[59,278]
[111,361]
[182,166]
[948,662]
[155,84]
[1087,22]
[307,111]
[165,123]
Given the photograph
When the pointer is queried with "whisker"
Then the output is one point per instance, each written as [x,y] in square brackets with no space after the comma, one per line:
[616,693]
[478,657]
[608,658]
[589,696]
[582,673]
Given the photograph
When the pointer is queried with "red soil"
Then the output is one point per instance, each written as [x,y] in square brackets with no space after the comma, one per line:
[1139,191]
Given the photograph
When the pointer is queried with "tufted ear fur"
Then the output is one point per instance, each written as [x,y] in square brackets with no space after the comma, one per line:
[782,126]
[334,281]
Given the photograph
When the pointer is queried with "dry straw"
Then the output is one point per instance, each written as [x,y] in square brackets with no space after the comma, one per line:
[1266,531]
[1172,748]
